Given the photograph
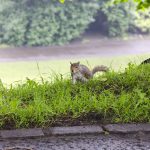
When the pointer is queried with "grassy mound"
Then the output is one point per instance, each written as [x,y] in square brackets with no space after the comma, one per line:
[112,97]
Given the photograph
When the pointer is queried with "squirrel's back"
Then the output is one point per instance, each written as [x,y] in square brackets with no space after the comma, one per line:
[85,71]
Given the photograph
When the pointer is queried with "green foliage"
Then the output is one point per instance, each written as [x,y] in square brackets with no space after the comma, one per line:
[122,18]
[141,4]
[44,22]
[71,20]
[142,21]
[62,1]
[13,23]
[14,29]
[118,18]
[123,97]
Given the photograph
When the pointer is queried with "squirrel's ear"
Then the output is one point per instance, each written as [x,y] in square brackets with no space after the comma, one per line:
[70,63]
[78,62]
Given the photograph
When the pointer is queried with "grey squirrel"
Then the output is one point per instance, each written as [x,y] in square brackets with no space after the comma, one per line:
[82,73]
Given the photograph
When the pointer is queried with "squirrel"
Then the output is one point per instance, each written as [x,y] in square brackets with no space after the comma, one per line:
[82,73]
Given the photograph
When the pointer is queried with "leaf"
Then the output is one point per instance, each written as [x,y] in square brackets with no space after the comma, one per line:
[62,1]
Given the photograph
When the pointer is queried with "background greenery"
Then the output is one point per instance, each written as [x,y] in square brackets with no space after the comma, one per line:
[141,4]
[46,22]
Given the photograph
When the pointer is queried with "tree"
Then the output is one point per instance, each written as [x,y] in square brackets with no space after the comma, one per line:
[141,4]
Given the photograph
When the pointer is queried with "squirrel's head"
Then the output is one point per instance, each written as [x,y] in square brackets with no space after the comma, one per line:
[74,67]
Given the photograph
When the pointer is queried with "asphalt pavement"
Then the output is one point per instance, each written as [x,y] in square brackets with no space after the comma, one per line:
[88,46]
[81,142]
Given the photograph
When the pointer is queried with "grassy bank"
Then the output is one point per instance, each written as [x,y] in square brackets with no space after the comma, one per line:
[111,97]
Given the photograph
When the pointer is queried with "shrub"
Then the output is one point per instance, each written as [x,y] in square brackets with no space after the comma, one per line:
[13,22]
[120,19]
[45,22]
[48,22]
[117,17]
[141,21]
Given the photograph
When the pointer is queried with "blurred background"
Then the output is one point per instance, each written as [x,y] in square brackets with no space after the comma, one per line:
[41,37]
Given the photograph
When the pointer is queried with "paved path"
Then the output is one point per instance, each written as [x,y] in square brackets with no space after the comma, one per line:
[84,142]
[87,47]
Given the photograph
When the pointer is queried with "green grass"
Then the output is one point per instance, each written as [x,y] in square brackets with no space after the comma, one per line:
[18,71]
[112,97]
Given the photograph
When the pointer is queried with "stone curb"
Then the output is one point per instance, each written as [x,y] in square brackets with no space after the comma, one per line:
[75,130]
[21,133]
[127,128]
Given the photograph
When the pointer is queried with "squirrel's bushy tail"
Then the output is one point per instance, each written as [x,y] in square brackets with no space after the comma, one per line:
[99,68]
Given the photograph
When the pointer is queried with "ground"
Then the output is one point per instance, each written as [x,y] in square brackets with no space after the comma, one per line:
[82,142]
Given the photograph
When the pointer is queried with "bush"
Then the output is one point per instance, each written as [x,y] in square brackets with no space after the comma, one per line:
[57,24]
[141,22]
[13,31]
[117,17]
[120,19]
[45,22]
[13,22]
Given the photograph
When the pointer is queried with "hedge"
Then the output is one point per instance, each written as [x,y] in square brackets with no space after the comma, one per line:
[45,22]
[49,22]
